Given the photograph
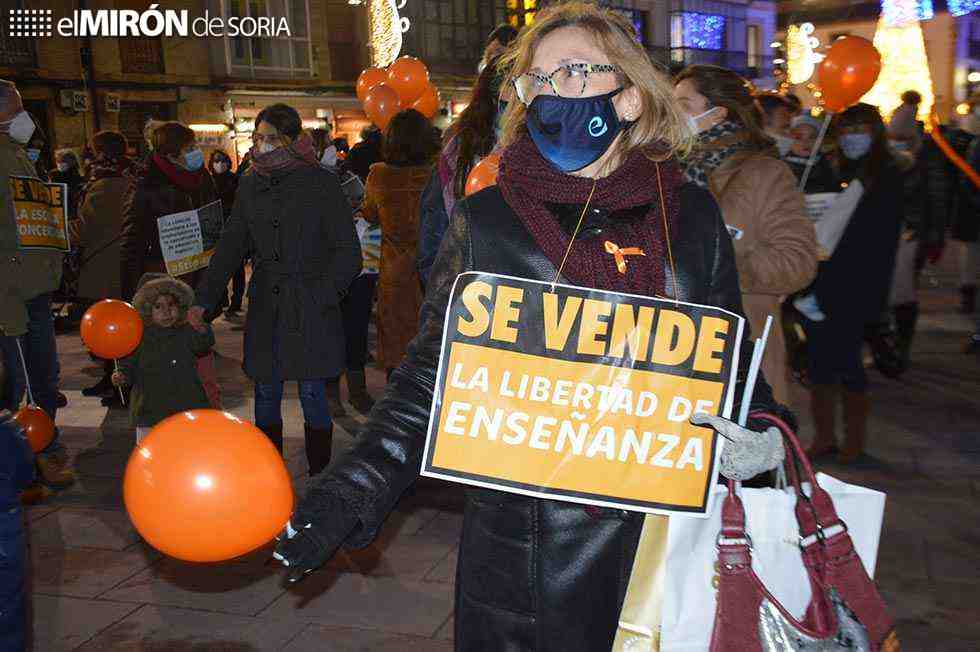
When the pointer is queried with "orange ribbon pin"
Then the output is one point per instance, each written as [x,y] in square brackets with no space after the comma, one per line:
[620,254]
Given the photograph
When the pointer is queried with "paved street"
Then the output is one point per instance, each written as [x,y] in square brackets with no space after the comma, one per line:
[97,587]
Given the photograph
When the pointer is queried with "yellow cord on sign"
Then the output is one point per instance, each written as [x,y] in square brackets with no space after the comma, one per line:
[574,235]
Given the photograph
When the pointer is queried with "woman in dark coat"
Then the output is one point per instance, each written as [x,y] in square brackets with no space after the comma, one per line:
[291,214]
[172,180]
[538,574]
[852,287]
[226,181]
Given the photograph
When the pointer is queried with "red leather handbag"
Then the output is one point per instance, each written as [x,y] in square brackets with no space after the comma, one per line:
[845,610]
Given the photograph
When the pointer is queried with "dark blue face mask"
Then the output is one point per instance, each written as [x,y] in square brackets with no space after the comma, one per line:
[573,132]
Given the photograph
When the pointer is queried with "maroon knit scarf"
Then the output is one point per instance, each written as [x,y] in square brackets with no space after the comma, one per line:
[297,154]
[528,182]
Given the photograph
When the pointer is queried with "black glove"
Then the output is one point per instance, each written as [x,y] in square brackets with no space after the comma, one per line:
[313,535]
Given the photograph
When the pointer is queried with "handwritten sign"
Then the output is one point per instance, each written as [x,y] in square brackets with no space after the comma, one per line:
[581,395]
[41,213]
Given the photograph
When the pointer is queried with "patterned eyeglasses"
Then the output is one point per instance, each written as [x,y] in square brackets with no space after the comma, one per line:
[570,80]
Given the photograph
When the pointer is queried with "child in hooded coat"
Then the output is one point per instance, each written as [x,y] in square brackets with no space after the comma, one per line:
[162,371]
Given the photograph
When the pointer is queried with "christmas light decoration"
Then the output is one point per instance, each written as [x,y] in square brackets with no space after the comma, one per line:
[962,7]
[704,31]
[386,28]
[800,46]
[903,57]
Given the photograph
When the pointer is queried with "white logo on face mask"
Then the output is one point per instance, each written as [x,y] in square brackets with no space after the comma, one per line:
[597,127]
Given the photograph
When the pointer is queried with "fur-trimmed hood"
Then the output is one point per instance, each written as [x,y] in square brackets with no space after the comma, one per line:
[151,286]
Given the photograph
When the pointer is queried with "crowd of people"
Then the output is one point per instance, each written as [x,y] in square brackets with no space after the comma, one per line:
[326,236]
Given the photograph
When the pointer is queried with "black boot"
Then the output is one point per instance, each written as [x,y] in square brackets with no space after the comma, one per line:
[357,391]
[319,445]
[906,316]
[274,433]
[101,388]
[968,299]
[333,399]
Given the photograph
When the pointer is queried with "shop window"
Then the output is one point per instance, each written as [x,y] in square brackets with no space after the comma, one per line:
[690,29]
[280,56]
[753,45]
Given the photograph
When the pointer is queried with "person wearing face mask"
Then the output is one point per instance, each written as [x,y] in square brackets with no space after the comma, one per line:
[359,302]
[226,182]
[292,217]
[172,179]
[852,286]
[472,136]
[803,131]
[592,129]
[775,242]
[777,116]
[27,280]
[68,171]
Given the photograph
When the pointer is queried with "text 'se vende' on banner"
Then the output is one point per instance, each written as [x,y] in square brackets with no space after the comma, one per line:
[581,395]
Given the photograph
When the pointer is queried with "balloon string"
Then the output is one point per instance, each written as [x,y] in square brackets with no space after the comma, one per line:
[122,398]
[27,380]
[816,150]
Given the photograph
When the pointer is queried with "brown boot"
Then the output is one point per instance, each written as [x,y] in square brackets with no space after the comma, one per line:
[55,469]
[856,408]
[823,405]
[333,399]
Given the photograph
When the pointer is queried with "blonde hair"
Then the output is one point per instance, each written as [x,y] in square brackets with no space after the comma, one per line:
[660,130]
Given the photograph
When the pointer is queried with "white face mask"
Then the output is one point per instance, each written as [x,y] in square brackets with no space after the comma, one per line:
[220,167]
[63,167]
[693,121]
[265,148]
[783,143]
[21,128]
[329,157]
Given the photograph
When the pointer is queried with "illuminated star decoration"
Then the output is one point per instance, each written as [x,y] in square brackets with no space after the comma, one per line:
[801,60]
[904,65]
[386,28]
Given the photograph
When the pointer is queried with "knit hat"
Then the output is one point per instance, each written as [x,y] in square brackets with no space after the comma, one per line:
[10,104]
[807,120]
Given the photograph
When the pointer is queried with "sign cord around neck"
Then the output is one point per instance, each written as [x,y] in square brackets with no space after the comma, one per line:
[670,252]
[578,226]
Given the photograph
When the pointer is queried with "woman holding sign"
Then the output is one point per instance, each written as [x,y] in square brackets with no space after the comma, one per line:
[590,194]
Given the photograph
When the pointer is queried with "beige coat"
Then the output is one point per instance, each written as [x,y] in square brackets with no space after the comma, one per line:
[100,224]
[23,274]
[775,246]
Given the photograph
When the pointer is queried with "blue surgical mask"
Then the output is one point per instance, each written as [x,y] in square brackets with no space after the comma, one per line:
[33,154]
[573,132]
[855,146]
[194,159]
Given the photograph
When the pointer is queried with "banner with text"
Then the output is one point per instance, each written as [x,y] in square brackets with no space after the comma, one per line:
[188,238]
[581,395]
[41,211]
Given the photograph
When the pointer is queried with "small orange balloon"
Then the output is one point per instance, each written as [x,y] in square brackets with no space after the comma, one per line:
[849,70]
[428,102]
[381,105]
[206,486]
[111,329]
[368,79]
[38,426]
[483,174]
[409,77]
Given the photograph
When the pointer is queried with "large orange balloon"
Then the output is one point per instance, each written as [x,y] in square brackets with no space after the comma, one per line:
[428,102]
[381,105]
[409,77]
[206,486]
[483,174]
[368,79]
[112,329]
[849,70]
[38,426]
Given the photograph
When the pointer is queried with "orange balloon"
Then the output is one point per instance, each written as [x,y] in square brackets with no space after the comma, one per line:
[206,486]
[951,154]
[428,102]
[368,79]
[483,174]
[112,329]
[381,105]
[849,70]
[409,77]
[38,426]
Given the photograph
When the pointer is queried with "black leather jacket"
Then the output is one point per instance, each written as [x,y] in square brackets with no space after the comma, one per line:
[533,574]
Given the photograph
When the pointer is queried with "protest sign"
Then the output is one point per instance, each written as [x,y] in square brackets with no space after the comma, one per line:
[581,395]
[41,212]
[188,238]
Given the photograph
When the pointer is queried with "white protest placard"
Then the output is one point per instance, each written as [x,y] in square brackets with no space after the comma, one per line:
[188,238]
